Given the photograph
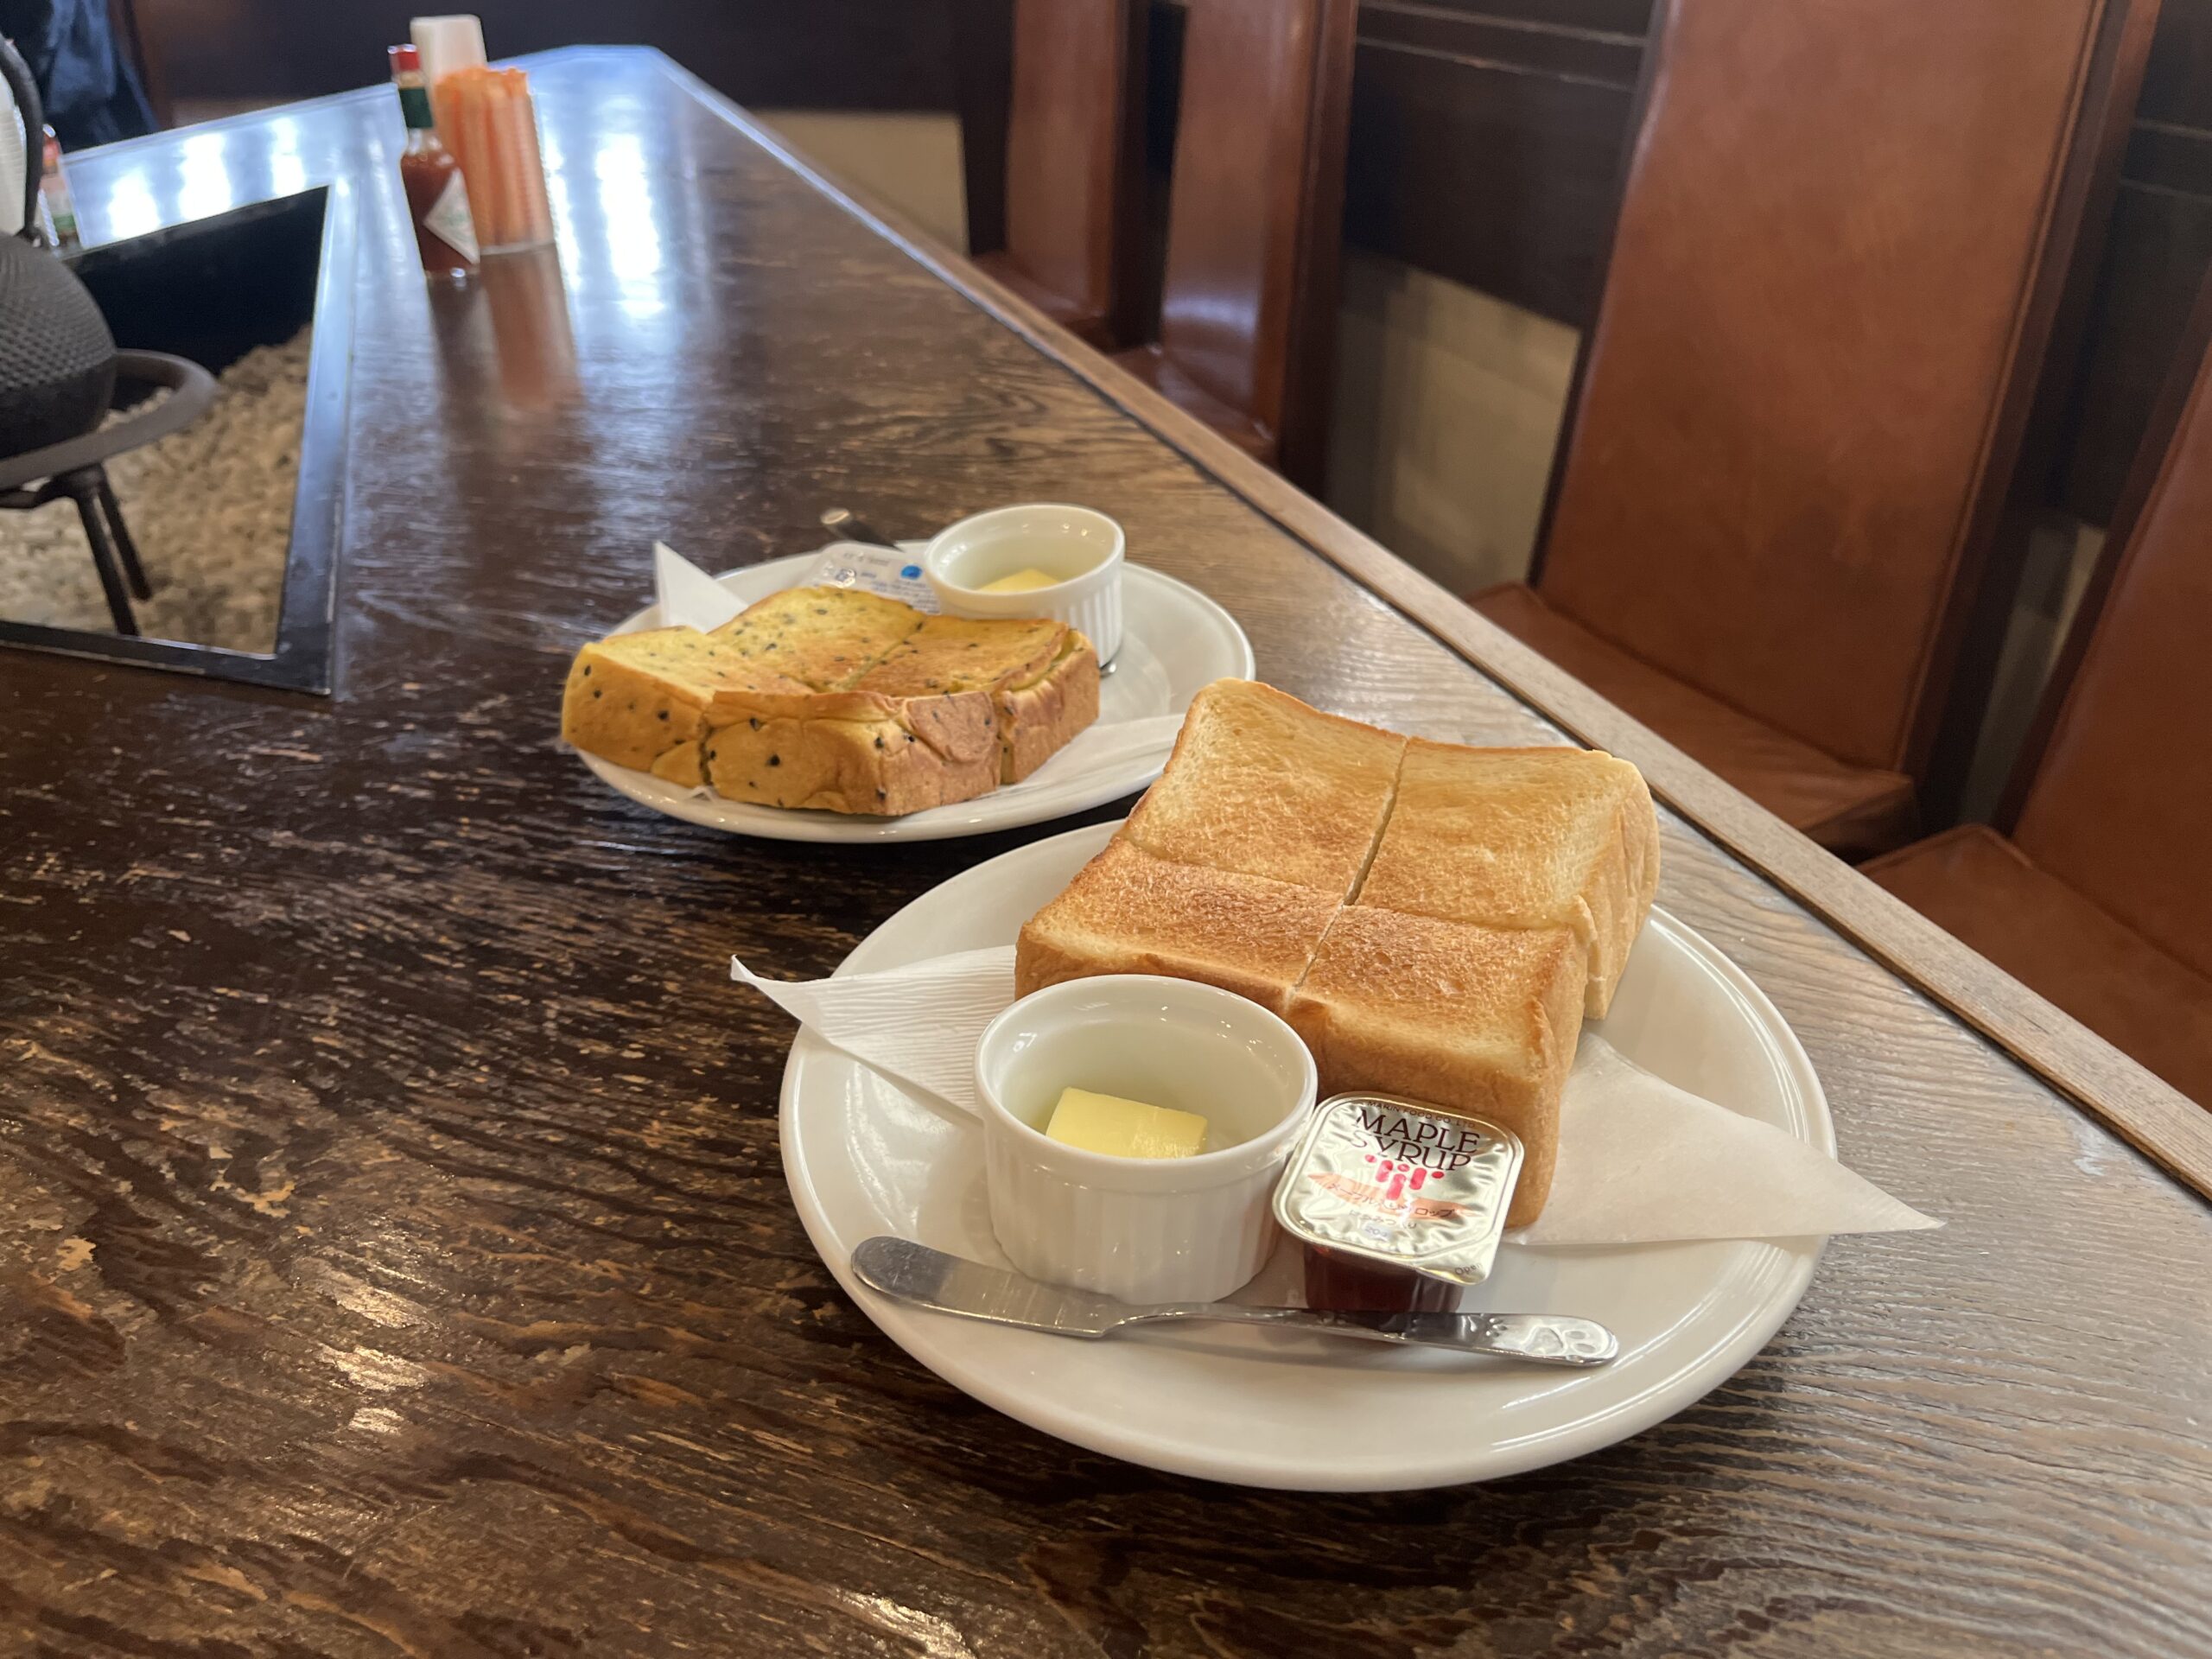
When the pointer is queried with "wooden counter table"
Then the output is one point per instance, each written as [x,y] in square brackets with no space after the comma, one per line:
[394,1252]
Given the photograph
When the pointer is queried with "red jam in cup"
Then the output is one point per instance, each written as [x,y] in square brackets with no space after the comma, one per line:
[1399,1205]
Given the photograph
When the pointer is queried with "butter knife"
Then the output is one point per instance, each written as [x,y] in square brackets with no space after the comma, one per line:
[922,1277]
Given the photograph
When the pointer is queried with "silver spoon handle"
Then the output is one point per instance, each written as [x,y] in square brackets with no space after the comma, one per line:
[1541,1338]
[849,527]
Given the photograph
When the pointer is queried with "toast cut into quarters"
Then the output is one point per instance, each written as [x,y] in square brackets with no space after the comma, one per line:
[1261,785]
[835,699]
[1554,837]
[1434,921]
[1128,912]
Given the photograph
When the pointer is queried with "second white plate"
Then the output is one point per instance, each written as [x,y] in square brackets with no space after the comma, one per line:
[1174,641]
[1269,1409]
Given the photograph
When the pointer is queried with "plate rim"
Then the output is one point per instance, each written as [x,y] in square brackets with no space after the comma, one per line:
[830,830]
[1791,1267]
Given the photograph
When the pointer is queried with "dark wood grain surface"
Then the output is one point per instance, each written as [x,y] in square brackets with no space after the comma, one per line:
[394,1252]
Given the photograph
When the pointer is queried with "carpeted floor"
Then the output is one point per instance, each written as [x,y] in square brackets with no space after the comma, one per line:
[210,508]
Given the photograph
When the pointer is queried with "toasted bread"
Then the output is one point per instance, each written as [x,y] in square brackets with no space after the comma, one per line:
[1473,1018]
[1557,837]
[934,750]
[1129,912]
[1038,715]
[1261,785]
[1434,920]
[825,638]
[832,698]
[960,653]
[641,699]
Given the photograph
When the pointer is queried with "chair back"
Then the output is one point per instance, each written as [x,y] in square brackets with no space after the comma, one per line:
[1844,237]
[2113,794]
[1074,160]
[1248,295]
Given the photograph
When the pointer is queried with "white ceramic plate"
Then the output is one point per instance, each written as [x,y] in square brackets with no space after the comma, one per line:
[1175,640]
[1267,1408]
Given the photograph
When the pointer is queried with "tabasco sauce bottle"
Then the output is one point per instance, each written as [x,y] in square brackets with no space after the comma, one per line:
[437,199]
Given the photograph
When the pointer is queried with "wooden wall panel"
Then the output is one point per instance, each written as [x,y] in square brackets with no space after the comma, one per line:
[2156,257]
[1490,174]
[855,54]
[1486,135]
[1486,147]
[982,44]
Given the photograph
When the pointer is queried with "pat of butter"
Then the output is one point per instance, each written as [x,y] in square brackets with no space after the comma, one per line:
[1125,1128]
[1021,581]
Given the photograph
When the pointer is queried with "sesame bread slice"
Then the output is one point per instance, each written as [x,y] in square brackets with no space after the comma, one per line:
[836,699]
[826,638]
[960,653]
[1037,717]
[641,699]
[931,752]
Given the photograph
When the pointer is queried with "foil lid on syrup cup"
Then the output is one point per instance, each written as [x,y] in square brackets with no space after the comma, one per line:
[1401,1184]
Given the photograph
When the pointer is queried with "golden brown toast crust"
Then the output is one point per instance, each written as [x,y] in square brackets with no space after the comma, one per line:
[1544,837]
[1262,784]
[1129,912]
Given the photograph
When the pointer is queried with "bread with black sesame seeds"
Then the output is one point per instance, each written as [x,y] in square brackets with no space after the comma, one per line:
[936,750]
[641,699]
[826,637]
[950,711]
[844,701]
[1038,715]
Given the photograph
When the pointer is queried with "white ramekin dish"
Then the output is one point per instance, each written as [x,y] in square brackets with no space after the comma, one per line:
[1144,1230]
[1081,548]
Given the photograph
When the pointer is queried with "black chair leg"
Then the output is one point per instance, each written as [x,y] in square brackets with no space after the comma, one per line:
[104,558]
[132,571]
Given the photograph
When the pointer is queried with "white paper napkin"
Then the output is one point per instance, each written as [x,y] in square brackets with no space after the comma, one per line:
[690,598]
[917,1025]
[1640,1161]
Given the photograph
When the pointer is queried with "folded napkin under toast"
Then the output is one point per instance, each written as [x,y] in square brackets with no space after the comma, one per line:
[1640,1161]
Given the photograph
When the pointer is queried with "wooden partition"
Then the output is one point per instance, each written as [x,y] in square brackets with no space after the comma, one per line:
[845,54]
[1485,138]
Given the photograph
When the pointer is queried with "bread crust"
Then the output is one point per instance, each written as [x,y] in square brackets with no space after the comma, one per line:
[1523,838]
[835,701]
[1261,785]
[939,750]
[684,764]
[636,697]
[1036,721]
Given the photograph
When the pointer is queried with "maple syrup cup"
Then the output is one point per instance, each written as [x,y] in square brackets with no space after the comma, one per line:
[1083,550]
[1143,1229]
